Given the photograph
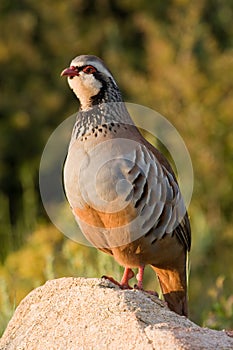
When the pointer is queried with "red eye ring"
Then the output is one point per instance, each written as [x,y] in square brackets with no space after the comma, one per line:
[89,69]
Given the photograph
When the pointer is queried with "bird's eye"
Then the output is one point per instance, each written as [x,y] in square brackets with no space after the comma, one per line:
[89,69]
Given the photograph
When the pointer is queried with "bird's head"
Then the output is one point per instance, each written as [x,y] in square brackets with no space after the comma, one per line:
[91,81]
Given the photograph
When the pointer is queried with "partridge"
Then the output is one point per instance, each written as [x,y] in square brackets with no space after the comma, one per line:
[121,189]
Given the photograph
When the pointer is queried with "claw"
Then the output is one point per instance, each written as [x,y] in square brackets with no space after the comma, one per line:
[151,292]
[112,280]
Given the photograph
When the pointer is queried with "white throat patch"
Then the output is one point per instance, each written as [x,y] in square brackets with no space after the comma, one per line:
[85,86]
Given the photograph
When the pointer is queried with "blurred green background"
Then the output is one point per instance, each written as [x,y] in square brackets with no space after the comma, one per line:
[173,56]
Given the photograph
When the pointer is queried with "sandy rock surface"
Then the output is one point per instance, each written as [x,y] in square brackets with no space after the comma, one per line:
[79,313]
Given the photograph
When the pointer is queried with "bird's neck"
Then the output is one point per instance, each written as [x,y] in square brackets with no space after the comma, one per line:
[108,93]
[104,108]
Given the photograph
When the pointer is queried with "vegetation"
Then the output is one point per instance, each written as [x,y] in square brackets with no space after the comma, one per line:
[174,57]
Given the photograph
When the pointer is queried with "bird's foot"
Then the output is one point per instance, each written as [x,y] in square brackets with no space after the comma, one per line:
[124,284]
[111,279]
[128,274]
[151,292]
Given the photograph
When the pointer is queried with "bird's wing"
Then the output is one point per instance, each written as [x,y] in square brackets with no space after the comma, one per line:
[183,229]
[156,196]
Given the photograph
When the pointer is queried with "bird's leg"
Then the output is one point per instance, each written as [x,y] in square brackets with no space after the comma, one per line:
[127,275]
[139,278]
[124,284]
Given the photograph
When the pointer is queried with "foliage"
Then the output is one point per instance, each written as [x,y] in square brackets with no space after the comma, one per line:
[175,57]
[222,306]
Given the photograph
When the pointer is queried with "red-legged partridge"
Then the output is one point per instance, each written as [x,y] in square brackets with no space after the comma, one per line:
[121,189]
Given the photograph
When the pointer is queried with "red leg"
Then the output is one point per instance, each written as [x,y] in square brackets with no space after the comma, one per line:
[139,285]
[140,277]
[128,274]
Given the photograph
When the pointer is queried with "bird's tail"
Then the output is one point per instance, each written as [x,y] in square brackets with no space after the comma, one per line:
[173,283]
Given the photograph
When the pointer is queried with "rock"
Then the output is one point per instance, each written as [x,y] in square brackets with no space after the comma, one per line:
[79,313]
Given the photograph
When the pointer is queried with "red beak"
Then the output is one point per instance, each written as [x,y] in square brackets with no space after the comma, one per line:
[70,72]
